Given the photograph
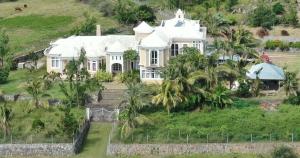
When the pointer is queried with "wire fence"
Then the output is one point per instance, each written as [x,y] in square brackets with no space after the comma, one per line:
[182,137]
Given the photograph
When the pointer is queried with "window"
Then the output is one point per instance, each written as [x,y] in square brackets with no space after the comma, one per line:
[174,50]
[196,44]
[154,74]
[154,57]
[55,62]
[94,66]
[112,57]
[120,57]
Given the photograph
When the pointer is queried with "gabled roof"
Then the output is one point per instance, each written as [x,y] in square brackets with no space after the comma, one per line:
[143,28]
[156,39]
[266,71]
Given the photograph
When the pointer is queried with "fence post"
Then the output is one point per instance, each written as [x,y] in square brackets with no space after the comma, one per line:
[251,138]
[11,139]
[270,137]
[31,139]
[147,138]
[168,136]
[179,134]
[52,139]
[292,137]
[227,139]
[207,138]
[187,138]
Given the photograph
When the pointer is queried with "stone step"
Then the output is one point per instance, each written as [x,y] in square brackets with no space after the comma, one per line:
[112,96]
[111,102]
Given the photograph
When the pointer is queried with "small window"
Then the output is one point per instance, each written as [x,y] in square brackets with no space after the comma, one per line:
[120,57]
[55,62]
[154,57]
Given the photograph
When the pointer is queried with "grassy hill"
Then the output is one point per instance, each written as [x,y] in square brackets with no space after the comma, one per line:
[43,21]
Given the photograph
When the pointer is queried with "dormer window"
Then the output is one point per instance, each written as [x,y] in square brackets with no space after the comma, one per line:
[174,50]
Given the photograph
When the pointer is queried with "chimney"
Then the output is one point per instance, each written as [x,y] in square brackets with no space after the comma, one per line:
[98,30]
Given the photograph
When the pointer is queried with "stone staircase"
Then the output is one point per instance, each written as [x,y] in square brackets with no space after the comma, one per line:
[112,96]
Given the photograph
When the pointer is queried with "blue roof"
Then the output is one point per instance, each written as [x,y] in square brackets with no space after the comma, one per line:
[266,71]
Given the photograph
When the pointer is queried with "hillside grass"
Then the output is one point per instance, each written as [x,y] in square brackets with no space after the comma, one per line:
[44,21]
[24,113]
[238,123]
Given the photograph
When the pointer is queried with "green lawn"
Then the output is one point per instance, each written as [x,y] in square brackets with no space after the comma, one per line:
[238,123]
[44,21]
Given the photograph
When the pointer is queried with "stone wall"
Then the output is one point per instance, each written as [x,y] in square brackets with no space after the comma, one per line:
[36,149]
[81,136]
[181,149]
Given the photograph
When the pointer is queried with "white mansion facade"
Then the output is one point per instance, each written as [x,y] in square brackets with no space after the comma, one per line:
[155,46]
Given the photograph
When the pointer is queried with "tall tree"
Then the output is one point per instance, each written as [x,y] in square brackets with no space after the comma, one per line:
[130,56]
[136,98]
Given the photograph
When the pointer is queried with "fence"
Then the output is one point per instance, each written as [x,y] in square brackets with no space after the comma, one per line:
[192,137]
[184,142]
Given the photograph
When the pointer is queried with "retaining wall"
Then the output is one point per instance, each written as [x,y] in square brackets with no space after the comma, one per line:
[36,149]
[181,149]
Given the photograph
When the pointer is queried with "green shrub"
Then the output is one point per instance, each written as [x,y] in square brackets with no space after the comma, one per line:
[243,90]
[262,16]
[103,76]
[4,73]
[273,44]
[38,125]
[130,76]
[68,123]
[293,99]
[278,8]
[295,45]
[284,152]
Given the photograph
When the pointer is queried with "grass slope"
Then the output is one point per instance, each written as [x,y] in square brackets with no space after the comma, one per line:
[237,123]
[44,21]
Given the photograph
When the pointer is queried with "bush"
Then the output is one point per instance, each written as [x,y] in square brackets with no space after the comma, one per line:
[284,46]
[4,73]
[68,124]
[103,76]
[130,76]
[284,152]
[262,32]
[278,8]
[293,99]
[106,7]
[243,90]
[38,125]
[290,17]
[273,44]
[284,33]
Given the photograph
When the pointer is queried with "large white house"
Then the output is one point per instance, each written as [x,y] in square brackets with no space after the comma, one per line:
[155,46]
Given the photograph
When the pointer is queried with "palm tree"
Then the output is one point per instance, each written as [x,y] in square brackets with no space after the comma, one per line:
[6,116]
[220,97]
[169,95]
[136,99]
[34,88]
[290,83]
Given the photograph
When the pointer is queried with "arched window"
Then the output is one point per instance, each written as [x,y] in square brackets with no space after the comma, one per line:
[116,67]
